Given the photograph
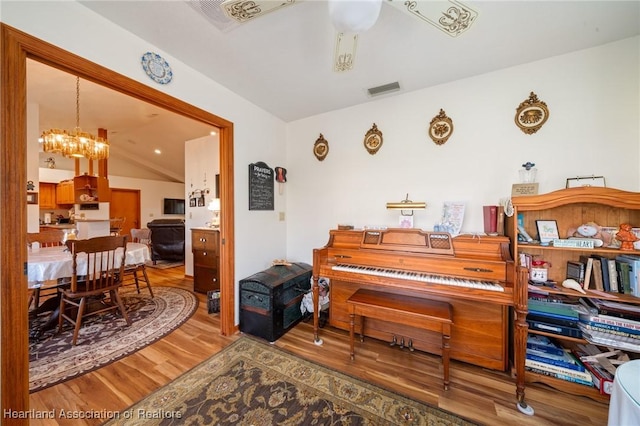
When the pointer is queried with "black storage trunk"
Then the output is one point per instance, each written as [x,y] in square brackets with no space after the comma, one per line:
[270,300]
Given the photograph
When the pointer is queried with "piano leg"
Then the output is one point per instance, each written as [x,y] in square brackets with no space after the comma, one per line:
[352,325]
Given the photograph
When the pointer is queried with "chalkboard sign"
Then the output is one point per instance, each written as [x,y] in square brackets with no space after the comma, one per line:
[260,186]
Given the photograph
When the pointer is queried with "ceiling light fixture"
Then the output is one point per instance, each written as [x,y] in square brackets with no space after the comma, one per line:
[75,143]
[351,18]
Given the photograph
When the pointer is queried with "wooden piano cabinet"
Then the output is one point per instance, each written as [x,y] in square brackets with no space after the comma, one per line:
[479,334]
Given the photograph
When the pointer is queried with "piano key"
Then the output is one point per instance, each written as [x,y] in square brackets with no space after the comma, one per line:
[427,278]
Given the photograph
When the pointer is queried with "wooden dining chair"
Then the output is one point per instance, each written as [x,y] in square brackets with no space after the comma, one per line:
[104,258]
[139,272]
[48,238]
[116,224]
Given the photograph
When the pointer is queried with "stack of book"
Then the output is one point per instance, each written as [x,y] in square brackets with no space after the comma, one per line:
[553,314]
[610,323]
[615,275]
[544,356]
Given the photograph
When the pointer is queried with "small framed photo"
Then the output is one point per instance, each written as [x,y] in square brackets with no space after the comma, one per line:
[32,198]
[547,231]
[192,202]
[200,201]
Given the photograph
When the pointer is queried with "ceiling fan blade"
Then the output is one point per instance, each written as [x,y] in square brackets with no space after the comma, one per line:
[246,10]
[451,17]
[345,51]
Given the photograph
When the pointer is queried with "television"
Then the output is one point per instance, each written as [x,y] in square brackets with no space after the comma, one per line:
[173,206]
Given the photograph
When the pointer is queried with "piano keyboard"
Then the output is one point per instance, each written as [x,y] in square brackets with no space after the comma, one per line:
[417,276]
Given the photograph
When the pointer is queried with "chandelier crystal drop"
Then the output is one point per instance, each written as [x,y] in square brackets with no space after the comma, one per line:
[75,143]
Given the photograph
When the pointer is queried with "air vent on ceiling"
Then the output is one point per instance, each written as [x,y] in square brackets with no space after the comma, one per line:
[385,88]
[211,10]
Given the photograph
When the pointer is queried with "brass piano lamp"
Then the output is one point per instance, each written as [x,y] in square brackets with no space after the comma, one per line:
[407,205]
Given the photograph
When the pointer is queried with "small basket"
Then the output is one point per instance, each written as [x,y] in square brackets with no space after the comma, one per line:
[213,301]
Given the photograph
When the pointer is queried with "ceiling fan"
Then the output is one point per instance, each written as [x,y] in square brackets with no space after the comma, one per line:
[353,17]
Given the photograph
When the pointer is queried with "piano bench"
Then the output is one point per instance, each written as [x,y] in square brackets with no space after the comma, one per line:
[431,315]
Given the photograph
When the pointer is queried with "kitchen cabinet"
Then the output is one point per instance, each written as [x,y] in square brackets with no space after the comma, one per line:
[205,245]
[90,189]
[64,193]
[570,208]
[47,197]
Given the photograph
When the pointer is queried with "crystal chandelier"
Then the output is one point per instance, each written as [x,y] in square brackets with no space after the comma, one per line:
[75,143]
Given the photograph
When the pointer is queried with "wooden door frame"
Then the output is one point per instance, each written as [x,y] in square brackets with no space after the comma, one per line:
[15,47]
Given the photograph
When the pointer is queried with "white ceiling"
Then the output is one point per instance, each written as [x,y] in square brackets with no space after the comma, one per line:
[282,61]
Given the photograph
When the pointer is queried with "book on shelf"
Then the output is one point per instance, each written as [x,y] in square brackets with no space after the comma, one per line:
[490,215]
[597,274]
[552,318]
[634,261]
[602,379]
[553,298]
[624,276]
[614,330]
[613,276]
[616,309]
[555,329]
[587,316]
[553,308]
[597,337]
[560,376]
[540,347]
[582,375]
[604,271]
[588,271]
[576,271]
[565,360]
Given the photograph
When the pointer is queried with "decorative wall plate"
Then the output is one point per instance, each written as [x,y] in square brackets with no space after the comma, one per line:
[531,114]
[440,128]
[373,139]
[321,148]
[156,68]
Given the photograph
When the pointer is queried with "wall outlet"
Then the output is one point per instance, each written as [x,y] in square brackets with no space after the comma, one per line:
[281,216]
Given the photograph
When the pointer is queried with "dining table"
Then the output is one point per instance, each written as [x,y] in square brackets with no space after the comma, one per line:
[51,267]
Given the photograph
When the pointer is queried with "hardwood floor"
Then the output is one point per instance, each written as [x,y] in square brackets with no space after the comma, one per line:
[483,396]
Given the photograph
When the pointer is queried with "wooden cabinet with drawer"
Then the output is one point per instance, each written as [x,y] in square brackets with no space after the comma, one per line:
[205,246]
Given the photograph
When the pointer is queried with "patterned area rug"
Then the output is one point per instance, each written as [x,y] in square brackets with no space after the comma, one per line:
[253,383]
[106,338]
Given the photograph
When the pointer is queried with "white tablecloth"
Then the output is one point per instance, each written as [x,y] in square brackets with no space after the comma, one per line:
[624,407]
[51,263]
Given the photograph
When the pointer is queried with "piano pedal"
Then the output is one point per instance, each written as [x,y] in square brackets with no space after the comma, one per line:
[394,341]
[402,343]
[411,349]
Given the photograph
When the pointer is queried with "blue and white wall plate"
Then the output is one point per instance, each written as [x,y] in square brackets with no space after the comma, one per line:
[156,68]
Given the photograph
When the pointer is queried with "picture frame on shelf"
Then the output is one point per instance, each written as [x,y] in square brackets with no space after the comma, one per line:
[547,231]
[32,197]
[579,181]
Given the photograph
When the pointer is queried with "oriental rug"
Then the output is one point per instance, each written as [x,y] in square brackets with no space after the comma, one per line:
[106,338]
[253,383]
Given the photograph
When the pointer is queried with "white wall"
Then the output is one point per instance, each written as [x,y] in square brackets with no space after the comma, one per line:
[258,135]
[593,129]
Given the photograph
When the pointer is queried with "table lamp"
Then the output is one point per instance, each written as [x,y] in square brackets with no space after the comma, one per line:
[214,206]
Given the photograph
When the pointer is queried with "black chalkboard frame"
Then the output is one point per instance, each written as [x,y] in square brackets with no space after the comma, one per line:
[261,187]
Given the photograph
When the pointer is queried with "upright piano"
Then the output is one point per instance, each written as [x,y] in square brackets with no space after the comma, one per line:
[475,274]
